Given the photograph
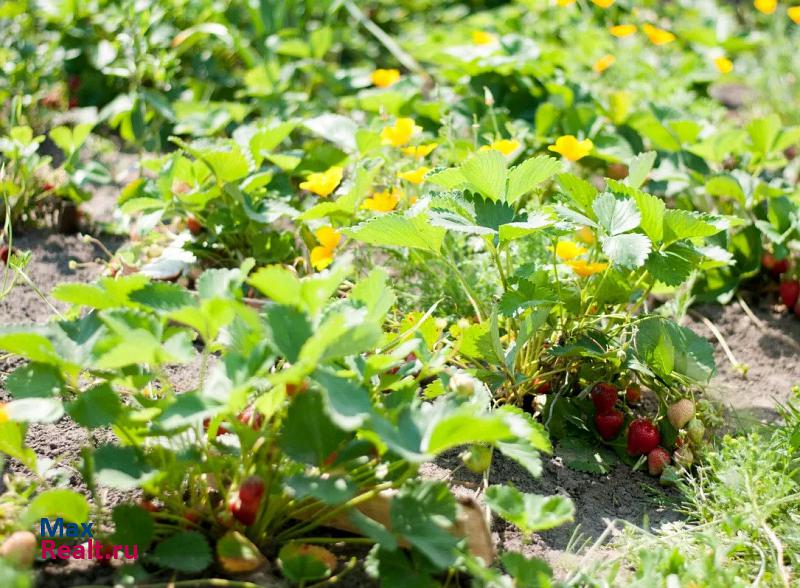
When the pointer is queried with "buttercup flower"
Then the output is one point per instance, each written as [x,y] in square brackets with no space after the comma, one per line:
[603,63]
[623,30]
[585,269]
[570,148]
[603,3]
[482,38]
[658,36]
[766,6]
[420,151]
[504,146]
[382,201]
[322,255]
[568,250]
[565,2]
[794,14]
[724,65]
[415,176]
[383,78]
[323,183]
[400,133]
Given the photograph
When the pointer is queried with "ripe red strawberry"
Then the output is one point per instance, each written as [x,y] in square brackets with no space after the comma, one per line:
[768,261]
[194,226]
[251,416]
[790,292]
[251,490]
[781,266]
[292,388]
[633,394]
[604,397]
[221,430]
[542,387]
[4,253]
[680,413]
[643,437]
[657,460]
[609,424]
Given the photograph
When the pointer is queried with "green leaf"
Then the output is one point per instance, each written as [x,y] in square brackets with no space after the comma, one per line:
[374,292]
[529,512]
[132,526]
[423,512]
[35,410]
[398,230]
[726,186]
[639,167]
[616,215]
[485,173]
[673,265]
[629,250]
[308,435]
[651,207]
[683,224]
[12,443]
[32,345]
[277,283]
[97,407]
[579,190]
[582,456]
[524,454]
[346,403]
[332,491]
[162,296]
[187,551]
[288,329]
[536,221]
[463,425]
[34,380]
[449,179]
[121,467]
[764,132]
[529,174]
[527,573]
[51,504]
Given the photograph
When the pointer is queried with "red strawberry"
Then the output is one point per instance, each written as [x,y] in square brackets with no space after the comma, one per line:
[657,460]
[609,424]
[781,266]
[251,416]
[790,153]
[790,292]
[604,397]
[633,394]
[768,261]
[643,437]
[194,225]
[292,388]
[4,252]
[542,387]
[251,490]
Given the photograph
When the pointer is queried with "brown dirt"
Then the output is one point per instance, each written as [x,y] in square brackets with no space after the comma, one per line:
[774,367]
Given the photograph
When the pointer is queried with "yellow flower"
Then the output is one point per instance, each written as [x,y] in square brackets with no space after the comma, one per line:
[400,133]
[482,38]
[383,78]
[603,3]
[382,201]
[623,30]
[504,146]
[585,234]
[572,149]
[603,63]
[322,254]
[565,2]
[658,36]
[568,250]
[3,413]
[323,183]
[415,176]
[420,151]
[766,6]
[724,65]
[794,14]
[585,269]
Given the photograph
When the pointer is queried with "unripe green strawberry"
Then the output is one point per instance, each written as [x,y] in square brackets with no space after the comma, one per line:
[463,384]
[477,458]
[19,548]
[657,460]
[696,430]
[683,457]
[680,413]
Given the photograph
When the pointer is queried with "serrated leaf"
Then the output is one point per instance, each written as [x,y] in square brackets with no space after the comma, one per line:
[616,215]
[485,173]
[581,456]
[187,551]
[629,250]
[683,224]
[398,230]
[536,221]
[581,191]
[449,179]
[639,167]
[524,454]
[529,512]
[529,174]
[651,207]
[673,265]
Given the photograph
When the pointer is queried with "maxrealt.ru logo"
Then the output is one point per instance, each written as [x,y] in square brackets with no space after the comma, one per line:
[87,549]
